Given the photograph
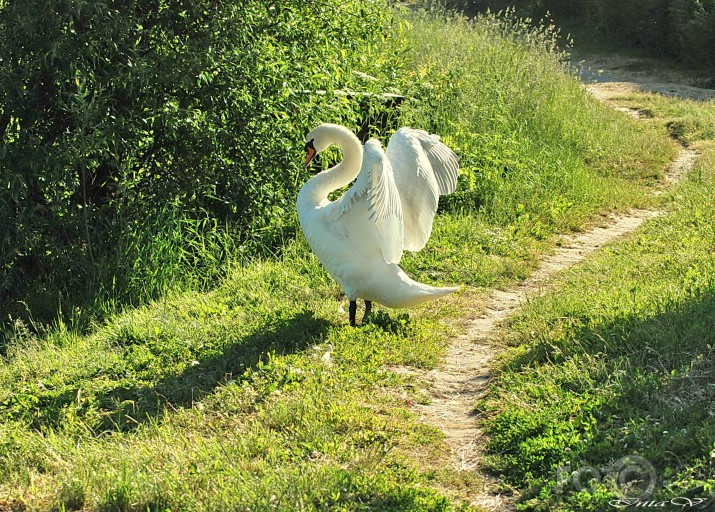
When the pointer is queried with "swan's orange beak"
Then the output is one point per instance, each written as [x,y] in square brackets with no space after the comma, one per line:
[310,153]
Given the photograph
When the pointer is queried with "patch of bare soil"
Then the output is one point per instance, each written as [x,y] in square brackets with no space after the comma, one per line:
[607,76]
[465,374]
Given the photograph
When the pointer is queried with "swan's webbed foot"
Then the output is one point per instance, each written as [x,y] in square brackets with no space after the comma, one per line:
[353,310]
[368,310]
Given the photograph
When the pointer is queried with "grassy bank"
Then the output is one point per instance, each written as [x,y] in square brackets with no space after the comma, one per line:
[611,375]
[537,154]
[531,143]
[257,395]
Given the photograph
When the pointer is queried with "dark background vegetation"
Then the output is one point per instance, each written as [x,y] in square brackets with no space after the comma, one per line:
[679,29]
[142,141]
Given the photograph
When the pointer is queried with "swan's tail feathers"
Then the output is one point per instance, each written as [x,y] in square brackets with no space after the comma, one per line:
[435,292]
[442,291]
[417,293]
[429,293]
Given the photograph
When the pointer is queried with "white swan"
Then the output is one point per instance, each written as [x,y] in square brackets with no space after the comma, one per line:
[359,238]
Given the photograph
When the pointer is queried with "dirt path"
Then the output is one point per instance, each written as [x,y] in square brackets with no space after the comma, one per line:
[608,75]
[464,376]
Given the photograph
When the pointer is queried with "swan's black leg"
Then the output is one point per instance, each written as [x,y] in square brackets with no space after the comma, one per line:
[368,310]
[353,310]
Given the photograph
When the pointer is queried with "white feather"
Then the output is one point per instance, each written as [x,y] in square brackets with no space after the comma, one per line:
[424,169]
[360,237]
[375,185]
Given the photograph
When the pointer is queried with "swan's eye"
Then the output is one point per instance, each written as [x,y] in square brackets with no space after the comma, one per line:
[309,145]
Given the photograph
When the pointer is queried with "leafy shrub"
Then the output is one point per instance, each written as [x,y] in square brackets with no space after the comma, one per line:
[118,114]
[692,30]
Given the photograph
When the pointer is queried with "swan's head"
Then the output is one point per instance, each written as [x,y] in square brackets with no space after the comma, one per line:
[319,139]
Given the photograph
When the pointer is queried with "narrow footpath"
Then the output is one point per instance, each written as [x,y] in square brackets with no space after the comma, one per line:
[464,376]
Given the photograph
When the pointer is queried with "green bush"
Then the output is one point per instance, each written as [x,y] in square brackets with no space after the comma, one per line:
[692,30]
[116,114]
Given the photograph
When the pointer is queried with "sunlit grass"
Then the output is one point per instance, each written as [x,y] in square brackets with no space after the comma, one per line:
[688,121]
[617,360]
[537,154]
[256,394]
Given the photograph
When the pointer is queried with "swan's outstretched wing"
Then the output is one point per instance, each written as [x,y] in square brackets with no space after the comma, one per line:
[424,169]
[375,185]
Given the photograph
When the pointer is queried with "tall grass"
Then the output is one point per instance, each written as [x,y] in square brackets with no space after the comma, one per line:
[535,150]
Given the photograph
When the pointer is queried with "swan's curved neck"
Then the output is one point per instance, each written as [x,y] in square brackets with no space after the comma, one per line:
[316,190]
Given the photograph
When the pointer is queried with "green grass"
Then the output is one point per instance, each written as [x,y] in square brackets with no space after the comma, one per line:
[253,395]
[688,121]
[256,394]
[538,156]
[536,152]
[617,360]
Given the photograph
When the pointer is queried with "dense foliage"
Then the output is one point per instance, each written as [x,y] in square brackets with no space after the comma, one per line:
[135,131]
[684,29]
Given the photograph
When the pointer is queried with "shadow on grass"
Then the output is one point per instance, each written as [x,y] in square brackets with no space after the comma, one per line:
[137,404]
[121,395]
